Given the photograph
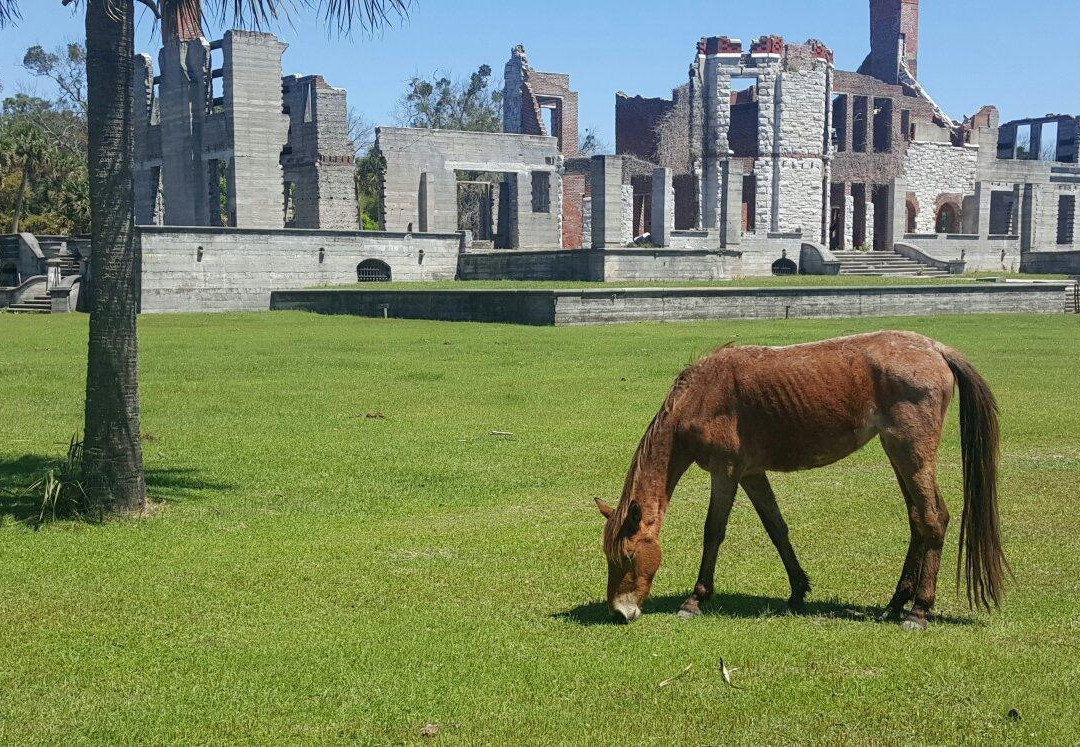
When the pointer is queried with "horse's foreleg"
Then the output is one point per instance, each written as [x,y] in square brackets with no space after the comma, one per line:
[720,503]
[764,500]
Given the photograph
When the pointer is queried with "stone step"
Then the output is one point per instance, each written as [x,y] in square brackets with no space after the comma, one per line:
[884,264]
[893,274]
[36,304]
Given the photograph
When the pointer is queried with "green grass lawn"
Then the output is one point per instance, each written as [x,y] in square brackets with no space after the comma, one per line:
[317,575]
[765,281]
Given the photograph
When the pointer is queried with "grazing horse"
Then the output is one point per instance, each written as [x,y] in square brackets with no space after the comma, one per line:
[743,411]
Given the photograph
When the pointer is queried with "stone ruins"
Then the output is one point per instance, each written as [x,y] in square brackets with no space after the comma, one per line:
[766,159]
[222,139]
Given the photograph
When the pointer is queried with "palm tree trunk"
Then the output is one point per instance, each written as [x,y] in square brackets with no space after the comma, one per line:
[16,217]
[112,461]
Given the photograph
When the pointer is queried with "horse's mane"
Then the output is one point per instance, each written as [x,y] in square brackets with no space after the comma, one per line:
[614,541]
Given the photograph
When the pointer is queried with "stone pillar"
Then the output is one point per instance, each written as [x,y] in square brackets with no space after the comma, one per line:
[255,126]
[626,232]
[982,198]
[52,273]
[897,219]
[869,231]
[731,203]
[183,100]
[605,186]
[1027,218]
[663,207]
[145,176]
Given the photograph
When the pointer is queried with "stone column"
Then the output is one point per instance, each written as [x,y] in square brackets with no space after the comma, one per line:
[605,186]
[663,207]
[255,127]
[731,203]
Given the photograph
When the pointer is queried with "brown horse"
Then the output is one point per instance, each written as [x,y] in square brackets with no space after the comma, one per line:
[743,411]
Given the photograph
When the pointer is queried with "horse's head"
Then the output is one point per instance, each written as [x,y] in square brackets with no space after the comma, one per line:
[633,558]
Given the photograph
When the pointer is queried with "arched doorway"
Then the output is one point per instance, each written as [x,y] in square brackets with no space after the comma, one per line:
[373,271]
[948,219]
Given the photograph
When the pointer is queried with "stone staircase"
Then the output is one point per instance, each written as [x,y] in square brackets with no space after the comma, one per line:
[32,305]
[888,264]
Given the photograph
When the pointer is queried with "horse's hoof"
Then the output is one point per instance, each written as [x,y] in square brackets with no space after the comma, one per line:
[685,613]
[891,615]
[911,622]
[796,604]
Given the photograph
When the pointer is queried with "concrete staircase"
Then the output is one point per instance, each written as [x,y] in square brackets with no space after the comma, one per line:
[32,305]
[888,264]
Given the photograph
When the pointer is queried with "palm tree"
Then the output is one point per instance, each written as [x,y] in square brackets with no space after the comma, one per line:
[112,456]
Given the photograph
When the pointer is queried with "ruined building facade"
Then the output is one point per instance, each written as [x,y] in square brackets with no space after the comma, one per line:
[222,139]
[774,139]
[538,103]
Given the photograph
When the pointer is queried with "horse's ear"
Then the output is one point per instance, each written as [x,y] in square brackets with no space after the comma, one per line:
[605,509]
[633,519]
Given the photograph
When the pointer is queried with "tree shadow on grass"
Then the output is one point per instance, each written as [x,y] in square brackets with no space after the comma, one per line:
[736,605]
[164,485]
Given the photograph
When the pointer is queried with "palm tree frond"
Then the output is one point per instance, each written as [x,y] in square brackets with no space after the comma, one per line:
[343,15]
[9,12]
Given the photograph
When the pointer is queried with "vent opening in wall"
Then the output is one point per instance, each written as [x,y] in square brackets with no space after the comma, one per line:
[373,271]
[1066,219]
[784,266]
[198,254]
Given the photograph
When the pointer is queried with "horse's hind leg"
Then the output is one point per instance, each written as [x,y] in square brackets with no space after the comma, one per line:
[905,587]
[764,500]
[720,503]
[916,467]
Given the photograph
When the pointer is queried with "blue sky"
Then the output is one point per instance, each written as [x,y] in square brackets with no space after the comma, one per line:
[1021,57]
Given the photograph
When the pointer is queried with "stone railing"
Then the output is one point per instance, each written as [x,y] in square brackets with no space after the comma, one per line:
[30,287]
[912,252]
[815,259]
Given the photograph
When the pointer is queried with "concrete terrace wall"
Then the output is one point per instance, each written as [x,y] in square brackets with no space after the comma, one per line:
[614,305]
[240,267]
[574,264]
[510,306]
[612,265]
[1065,263]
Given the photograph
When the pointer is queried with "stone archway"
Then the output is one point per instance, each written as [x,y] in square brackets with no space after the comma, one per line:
[947,215]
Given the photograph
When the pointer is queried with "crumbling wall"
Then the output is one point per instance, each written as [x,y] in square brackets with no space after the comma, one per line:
[932,169]
[318,159]
[778,127]
[803,103]
[636,122]
[419,186]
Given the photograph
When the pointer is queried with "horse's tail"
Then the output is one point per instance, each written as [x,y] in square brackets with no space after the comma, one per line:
[980,555]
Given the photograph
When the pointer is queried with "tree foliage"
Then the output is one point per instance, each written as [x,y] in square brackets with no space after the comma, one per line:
[441,103]
[43,148]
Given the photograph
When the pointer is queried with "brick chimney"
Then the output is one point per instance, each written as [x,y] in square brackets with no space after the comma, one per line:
[181,23]
[894,35]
